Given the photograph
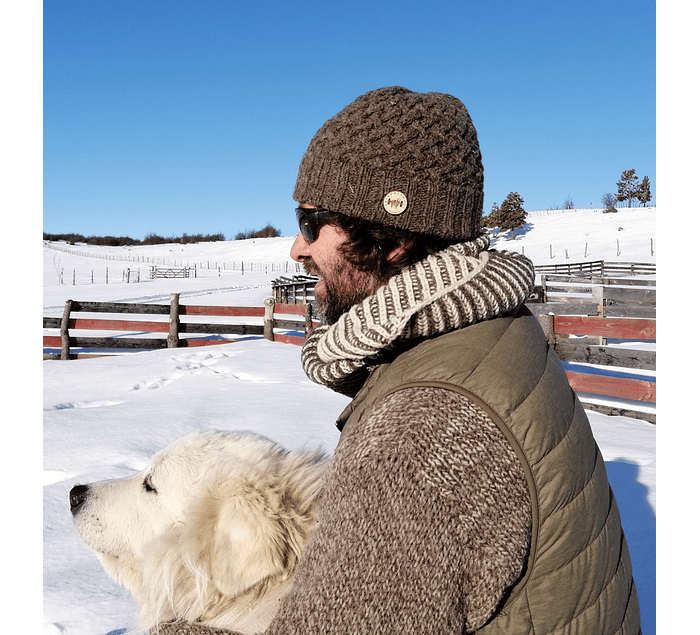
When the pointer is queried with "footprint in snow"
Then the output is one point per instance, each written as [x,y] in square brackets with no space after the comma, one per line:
[151,384]
[69,405]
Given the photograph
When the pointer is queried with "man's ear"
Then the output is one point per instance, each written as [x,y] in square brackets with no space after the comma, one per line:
[397,252]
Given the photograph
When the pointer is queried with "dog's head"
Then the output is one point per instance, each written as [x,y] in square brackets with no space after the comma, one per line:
[211,531]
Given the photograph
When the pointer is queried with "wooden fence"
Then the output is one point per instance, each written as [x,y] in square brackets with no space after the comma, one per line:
[599,268]
[603,297]
[295,290]
[616,378]
[299,289]
[178,332]
[128,256]
[171,272]
[577,340]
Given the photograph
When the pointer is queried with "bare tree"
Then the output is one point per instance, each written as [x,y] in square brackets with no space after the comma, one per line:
[609,201]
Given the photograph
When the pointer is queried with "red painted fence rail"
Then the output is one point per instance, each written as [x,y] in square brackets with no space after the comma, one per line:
[622,387]
[179,333]
[587,340]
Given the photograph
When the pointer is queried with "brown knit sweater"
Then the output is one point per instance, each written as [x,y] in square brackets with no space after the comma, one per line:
[425,523]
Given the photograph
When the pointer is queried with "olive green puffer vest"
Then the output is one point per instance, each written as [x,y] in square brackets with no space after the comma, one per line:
[578,574]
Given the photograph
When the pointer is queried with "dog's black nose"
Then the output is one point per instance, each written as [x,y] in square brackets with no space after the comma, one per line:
[78,496]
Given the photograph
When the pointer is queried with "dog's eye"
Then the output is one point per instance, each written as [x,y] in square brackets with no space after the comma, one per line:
[148,485]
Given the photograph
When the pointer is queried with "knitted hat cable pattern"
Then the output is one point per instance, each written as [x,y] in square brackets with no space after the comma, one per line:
[420,147]
[462,285]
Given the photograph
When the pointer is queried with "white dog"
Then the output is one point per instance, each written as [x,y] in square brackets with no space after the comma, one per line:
[210,532]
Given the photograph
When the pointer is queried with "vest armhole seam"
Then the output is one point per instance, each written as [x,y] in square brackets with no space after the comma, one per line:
[520,586]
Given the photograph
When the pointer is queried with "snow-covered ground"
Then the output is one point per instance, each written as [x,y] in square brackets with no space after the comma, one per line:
[105,417]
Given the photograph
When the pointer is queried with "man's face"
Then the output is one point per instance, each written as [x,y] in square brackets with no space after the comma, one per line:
[341,285]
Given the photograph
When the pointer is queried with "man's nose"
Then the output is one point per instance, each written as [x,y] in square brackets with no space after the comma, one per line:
[300,249]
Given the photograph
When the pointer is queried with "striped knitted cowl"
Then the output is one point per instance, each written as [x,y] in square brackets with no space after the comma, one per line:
[461,285]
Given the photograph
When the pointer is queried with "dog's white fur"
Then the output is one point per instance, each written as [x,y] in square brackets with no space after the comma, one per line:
[210,532]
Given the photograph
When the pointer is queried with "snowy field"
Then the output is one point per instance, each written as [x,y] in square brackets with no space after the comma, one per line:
[104,418]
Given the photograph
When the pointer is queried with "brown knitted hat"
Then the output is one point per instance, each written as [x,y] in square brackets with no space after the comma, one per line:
[410,160]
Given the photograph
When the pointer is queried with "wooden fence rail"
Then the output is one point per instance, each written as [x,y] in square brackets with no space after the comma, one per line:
[595,296]
[565,334]
[599,268]
[176,329]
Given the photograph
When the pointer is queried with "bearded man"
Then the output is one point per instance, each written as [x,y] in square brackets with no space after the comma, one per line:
[467,493]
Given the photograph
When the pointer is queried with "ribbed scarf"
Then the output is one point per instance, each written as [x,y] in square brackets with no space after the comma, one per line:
[461,285]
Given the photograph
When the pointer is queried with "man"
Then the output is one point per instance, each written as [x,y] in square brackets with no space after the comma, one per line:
[466,493]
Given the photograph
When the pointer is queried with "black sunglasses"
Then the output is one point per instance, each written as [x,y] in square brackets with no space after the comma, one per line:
[310,221]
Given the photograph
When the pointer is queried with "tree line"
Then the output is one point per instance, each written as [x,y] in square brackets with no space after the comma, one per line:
[511,215]
[155,239]
[628,189]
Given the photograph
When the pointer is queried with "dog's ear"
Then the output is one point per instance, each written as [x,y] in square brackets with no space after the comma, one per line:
[243,538]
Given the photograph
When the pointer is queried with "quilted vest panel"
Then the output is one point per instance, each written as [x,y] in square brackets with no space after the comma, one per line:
[578,575]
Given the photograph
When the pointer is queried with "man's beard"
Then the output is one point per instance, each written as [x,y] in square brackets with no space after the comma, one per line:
[345,287]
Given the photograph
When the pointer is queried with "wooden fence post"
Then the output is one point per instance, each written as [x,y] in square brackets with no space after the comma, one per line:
[307,319]
[65,337]
[269,319]
[547,324]
[599,299]
[174,322]
[543,280]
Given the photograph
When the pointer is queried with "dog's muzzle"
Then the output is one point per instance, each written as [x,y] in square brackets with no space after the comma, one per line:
[78,496]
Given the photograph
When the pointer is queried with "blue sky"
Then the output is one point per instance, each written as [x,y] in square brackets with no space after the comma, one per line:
[191,116]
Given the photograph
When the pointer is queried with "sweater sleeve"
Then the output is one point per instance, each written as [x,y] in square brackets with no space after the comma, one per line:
[425,522]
